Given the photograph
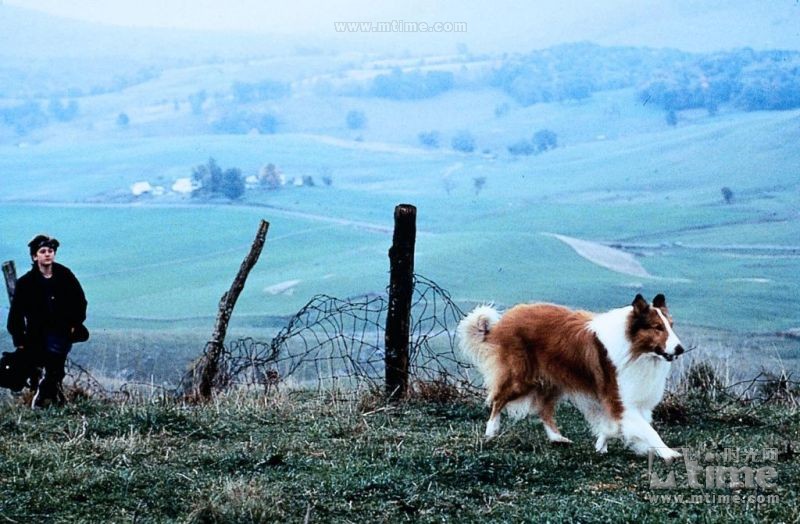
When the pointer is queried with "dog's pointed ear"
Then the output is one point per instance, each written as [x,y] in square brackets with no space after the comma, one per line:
[640,305]
[660,301]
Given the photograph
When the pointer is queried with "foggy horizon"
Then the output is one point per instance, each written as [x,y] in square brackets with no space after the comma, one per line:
[510,26]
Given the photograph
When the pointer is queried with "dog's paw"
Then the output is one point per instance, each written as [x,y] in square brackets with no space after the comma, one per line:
[492,428]
[490,435]
[668,454]
[601,445]
[560,439]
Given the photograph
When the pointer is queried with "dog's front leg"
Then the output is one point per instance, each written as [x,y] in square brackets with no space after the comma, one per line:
[642,438]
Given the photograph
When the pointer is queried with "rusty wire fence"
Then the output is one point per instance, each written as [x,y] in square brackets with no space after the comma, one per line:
[340,343]
[332,342]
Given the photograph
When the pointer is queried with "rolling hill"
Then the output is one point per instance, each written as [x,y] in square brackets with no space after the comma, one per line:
[622,177]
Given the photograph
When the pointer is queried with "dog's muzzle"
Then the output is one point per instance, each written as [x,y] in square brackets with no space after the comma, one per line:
[678,351]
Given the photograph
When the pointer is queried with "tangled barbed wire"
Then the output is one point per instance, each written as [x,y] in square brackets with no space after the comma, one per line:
[341,342]
[81,382]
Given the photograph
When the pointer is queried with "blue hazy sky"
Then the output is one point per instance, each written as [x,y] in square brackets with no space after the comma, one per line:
[501,24]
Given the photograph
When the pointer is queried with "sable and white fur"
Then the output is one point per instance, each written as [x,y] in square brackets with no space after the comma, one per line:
[612,366]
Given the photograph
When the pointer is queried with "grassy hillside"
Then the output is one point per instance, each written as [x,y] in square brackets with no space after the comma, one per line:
[655,195]
[295,458]
[621,176]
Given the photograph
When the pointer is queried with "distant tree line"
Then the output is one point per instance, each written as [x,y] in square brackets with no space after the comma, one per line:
[575,71]
[24,117]
[245,93]
[464,142]
[238,121]
[30,115]
[411,85]
[63,111]
[212,181]
[673,80]
[750,80]
[66,77]
[242,122]
[666,78]
[543,140]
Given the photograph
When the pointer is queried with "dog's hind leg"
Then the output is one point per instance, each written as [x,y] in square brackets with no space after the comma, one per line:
[601,446]
[493,424]
[502,394]
[546,404]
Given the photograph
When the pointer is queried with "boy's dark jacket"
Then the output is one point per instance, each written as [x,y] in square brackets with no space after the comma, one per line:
[29,313]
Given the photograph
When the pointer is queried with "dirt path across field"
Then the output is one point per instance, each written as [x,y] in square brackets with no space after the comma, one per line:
[604,256]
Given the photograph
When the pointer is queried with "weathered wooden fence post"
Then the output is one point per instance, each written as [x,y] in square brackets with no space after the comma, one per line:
[401,289]
[210,365]
[10,274]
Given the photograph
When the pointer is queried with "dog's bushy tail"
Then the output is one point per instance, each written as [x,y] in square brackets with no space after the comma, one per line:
[472,332]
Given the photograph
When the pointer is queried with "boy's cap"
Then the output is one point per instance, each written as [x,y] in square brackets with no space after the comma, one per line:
[40,241]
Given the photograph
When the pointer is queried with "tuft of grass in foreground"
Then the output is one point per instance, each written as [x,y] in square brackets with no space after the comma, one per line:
[301,457]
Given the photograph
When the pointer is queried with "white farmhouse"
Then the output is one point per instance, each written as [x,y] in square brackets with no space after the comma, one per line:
[251,181]
[184,186]
[140,188]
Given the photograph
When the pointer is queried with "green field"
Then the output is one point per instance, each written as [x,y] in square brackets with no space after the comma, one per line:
[293,458]
[658,196]
[674,172]
[154,268]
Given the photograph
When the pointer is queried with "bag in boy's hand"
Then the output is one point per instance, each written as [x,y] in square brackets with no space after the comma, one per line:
[79,334]
[14,370]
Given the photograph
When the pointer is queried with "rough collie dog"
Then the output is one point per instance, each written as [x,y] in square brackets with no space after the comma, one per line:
[612,366]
